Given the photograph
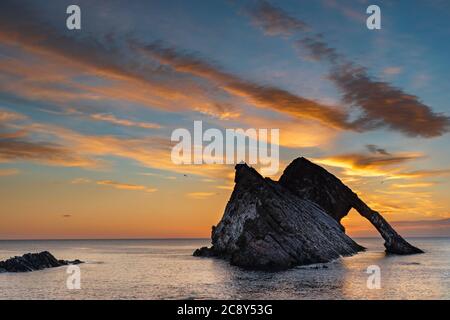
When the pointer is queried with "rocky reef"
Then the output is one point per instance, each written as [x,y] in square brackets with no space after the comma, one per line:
[275,225]
[33,261]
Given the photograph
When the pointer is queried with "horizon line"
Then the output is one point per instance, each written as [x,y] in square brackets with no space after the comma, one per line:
[195,238]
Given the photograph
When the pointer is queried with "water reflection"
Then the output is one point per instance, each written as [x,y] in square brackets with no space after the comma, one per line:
[166,269]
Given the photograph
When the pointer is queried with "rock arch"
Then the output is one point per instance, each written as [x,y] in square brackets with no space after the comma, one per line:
[312,182]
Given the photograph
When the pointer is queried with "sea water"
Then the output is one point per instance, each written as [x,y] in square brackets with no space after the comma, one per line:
[166,269]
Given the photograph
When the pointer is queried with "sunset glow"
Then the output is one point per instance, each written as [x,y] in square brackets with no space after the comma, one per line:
[86,116]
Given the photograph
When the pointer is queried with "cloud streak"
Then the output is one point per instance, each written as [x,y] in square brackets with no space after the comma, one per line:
[49,153]
[413,185]
[274,21]
[54,145]
[384,105]
[123,122]
[200,195]
[9,172]
[381,104]
[107,58]
[125,186]
[373,165]
[260,95]
[375,149]
[146,83]
[9,116]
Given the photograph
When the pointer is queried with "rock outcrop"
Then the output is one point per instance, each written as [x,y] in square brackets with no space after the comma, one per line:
[33,261]
[312,182]
[267,227]
[273,225]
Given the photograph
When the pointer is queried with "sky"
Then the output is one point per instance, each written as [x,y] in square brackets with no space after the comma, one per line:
[86,115]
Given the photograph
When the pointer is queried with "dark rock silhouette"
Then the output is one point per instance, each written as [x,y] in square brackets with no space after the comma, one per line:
[277,225]
[267,227]
[312,182]
[33,262]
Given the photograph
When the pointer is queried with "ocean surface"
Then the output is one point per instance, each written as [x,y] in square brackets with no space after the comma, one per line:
[166,269]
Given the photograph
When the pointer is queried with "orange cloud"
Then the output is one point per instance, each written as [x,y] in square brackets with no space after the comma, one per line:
[22,150]
[125,186]
[274,21]
[259,95]
[125,83]
[413,185]
[345,10]
[381,103]
[380,165]
[392,70]
[59,58]
[9,116]
[80,181]
[71,148]
[123,122]
[424,173]
[58,87]
[200,195]
[226,187]
[9,172]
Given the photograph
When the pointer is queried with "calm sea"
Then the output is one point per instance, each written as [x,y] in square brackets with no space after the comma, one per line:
[166,269]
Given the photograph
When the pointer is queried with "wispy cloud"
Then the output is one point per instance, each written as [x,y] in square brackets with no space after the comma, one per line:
[385,105]
[273,20]
[55,145]
[346,10]
[123,122]
[200,195]
[158,175]
[381,104]
[125,186]
[413,185]
[9,172]
[424,173]
[62,57]
[80,181]
[375,149]
[115,184]
[392,70]
[9,116]
[260,95]
[225,187]
[372,165]
[160,87]
[50,153]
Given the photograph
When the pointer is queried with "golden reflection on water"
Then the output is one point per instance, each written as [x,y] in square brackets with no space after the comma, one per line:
[402,277]
[166,269]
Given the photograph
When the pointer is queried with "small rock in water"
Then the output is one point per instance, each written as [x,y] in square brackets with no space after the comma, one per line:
[204,252]
[33,261]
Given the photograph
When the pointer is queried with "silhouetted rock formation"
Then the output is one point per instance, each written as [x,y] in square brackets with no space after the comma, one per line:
[267,227]
[33,262]
[312,182]
[277,225]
